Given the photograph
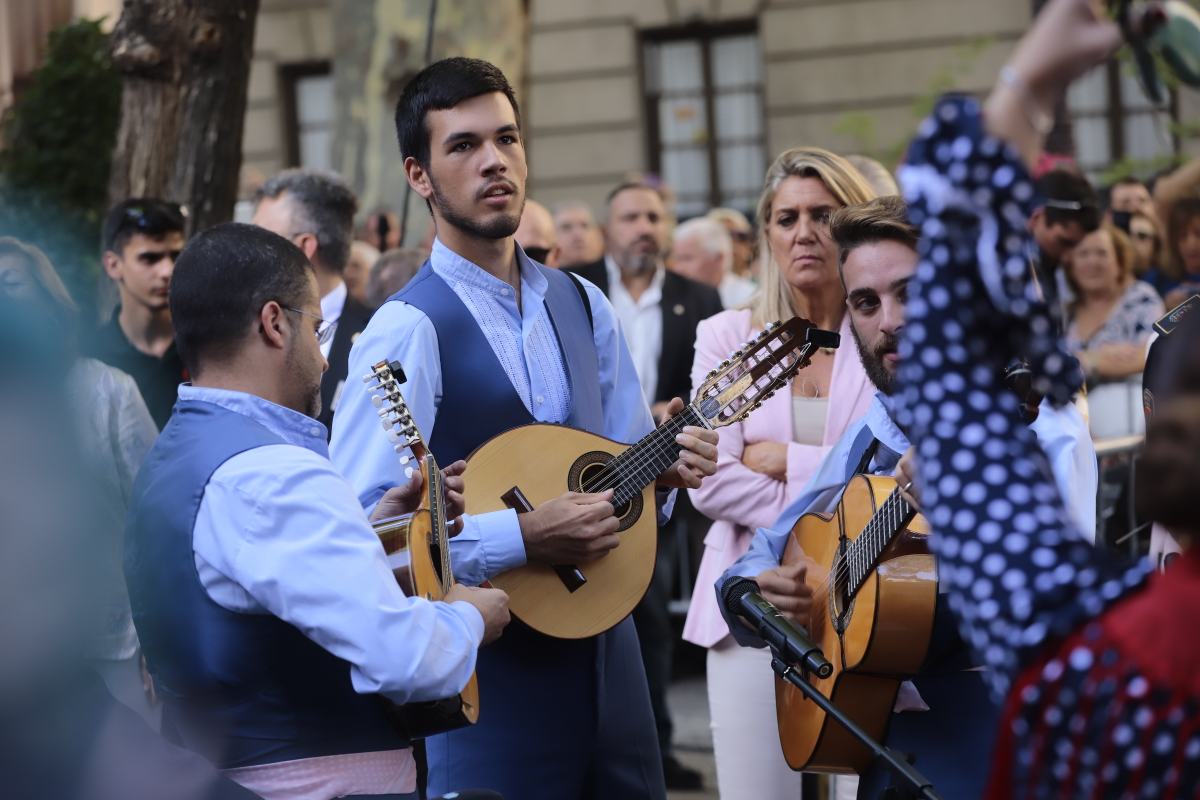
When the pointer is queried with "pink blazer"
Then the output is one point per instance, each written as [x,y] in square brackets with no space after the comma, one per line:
[736,498]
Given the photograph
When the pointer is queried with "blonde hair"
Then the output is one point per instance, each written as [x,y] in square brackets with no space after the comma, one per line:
[844,182]
[876,174]
[43,275]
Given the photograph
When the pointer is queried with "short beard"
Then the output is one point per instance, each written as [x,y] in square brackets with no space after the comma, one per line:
[499,228]
[872,361]
[634,264]
[311,404]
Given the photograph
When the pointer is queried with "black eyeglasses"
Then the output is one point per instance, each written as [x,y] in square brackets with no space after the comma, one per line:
[324,329]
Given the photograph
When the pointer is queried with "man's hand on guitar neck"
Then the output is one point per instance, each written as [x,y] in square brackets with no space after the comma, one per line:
[571,528]
[407,498]
[696,461]
[492,605]
[784,588]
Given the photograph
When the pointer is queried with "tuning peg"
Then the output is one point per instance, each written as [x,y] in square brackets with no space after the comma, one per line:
[376,400]
[394,436]
[712,373]
[409,472]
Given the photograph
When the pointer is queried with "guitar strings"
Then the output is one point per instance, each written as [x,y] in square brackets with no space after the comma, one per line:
[892,510]
[618,471]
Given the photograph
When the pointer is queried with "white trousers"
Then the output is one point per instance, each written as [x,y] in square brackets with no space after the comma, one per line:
[741,702]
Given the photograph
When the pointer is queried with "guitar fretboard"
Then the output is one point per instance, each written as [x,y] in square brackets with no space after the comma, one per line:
[861,557]
[637,467]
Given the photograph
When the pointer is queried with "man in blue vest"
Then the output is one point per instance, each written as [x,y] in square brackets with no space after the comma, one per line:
[267,610]
[491,340]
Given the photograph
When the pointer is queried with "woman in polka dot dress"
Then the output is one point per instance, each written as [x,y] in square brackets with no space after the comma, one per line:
[1102,693]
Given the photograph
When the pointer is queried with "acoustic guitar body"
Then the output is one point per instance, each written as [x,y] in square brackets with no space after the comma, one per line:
[414,563]
[529,465]
[874,640]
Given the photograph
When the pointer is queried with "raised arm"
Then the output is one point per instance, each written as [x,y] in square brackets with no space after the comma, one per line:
[1019,575]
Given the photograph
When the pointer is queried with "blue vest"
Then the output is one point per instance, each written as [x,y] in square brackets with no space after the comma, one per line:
[242,689]
[478,398]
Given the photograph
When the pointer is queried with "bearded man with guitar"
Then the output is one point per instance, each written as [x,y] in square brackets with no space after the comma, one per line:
[490,340]
[946,718]
[267,610]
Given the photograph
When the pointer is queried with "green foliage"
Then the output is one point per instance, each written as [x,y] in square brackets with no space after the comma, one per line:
[58,140]
[862,126]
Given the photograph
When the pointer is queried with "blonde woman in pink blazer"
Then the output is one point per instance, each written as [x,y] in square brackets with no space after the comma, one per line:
[764,461]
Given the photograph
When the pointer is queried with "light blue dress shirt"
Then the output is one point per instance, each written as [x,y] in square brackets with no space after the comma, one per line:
[525,344]
[1061,432]
[280,532]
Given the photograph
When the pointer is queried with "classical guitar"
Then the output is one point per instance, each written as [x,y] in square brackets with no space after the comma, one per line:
[418,546]
[532,464]
[874,592]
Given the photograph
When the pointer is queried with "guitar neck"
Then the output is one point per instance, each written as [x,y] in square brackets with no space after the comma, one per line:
[892,517]
[439,534]
[639,465]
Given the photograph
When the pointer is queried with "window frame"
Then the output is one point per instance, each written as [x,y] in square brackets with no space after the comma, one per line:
[290,76]
[705,34]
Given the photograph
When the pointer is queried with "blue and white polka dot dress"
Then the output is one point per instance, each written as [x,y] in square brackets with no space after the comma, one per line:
[1101,702]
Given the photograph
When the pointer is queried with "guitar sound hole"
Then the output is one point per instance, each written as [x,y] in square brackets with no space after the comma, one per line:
[588,474]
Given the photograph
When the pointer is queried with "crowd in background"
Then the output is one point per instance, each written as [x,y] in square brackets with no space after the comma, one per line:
[686,293]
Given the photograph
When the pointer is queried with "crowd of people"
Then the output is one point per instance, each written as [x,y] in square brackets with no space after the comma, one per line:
[245,608]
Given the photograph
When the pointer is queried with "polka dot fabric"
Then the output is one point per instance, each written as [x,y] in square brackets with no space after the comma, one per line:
[1087,713]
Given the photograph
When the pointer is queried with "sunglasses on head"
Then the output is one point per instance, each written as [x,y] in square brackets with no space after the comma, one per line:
[139,215]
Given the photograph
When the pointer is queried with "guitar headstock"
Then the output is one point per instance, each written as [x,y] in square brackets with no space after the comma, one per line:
[384,384]
[757,369]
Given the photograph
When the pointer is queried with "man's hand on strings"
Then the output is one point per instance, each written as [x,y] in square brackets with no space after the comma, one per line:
[696,461]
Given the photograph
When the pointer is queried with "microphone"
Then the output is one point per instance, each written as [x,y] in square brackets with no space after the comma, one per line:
[741,599]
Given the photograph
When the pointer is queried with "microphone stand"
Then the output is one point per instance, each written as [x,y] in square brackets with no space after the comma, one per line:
[919,786]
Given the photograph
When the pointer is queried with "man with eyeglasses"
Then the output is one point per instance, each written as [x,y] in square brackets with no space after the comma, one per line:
[142,239]
[266,608]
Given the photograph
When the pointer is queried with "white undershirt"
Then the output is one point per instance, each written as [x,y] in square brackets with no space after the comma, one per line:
[332,306]
[808,419]
[641,322]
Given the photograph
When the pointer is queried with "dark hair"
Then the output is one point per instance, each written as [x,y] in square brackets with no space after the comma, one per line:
[882,219]
[1068,197]
[442,85]
[326,207]
[221,281]
[145,215]
[625,186]
[1178,219]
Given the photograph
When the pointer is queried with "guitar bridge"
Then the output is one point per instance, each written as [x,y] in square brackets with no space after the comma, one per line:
[569,574]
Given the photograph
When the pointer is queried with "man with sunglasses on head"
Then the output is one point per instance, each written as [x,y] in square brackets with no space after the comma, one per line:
[142,239]
[1069,212]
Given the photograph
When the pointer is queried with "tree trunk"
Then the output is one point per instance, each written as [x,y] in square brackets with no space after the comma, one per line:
[185,66]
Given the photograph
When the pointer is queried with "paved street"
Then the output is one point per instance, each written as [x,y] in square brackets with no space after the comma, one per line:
[693,740]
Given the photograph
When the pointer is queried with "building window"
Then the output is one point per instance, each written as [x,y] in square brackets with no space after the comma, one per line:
[704,113]
[308,114]
[1114,122]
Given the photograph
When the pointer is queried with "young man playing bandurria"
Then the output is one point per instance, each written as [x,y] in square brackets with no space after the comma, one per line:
[490,340]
